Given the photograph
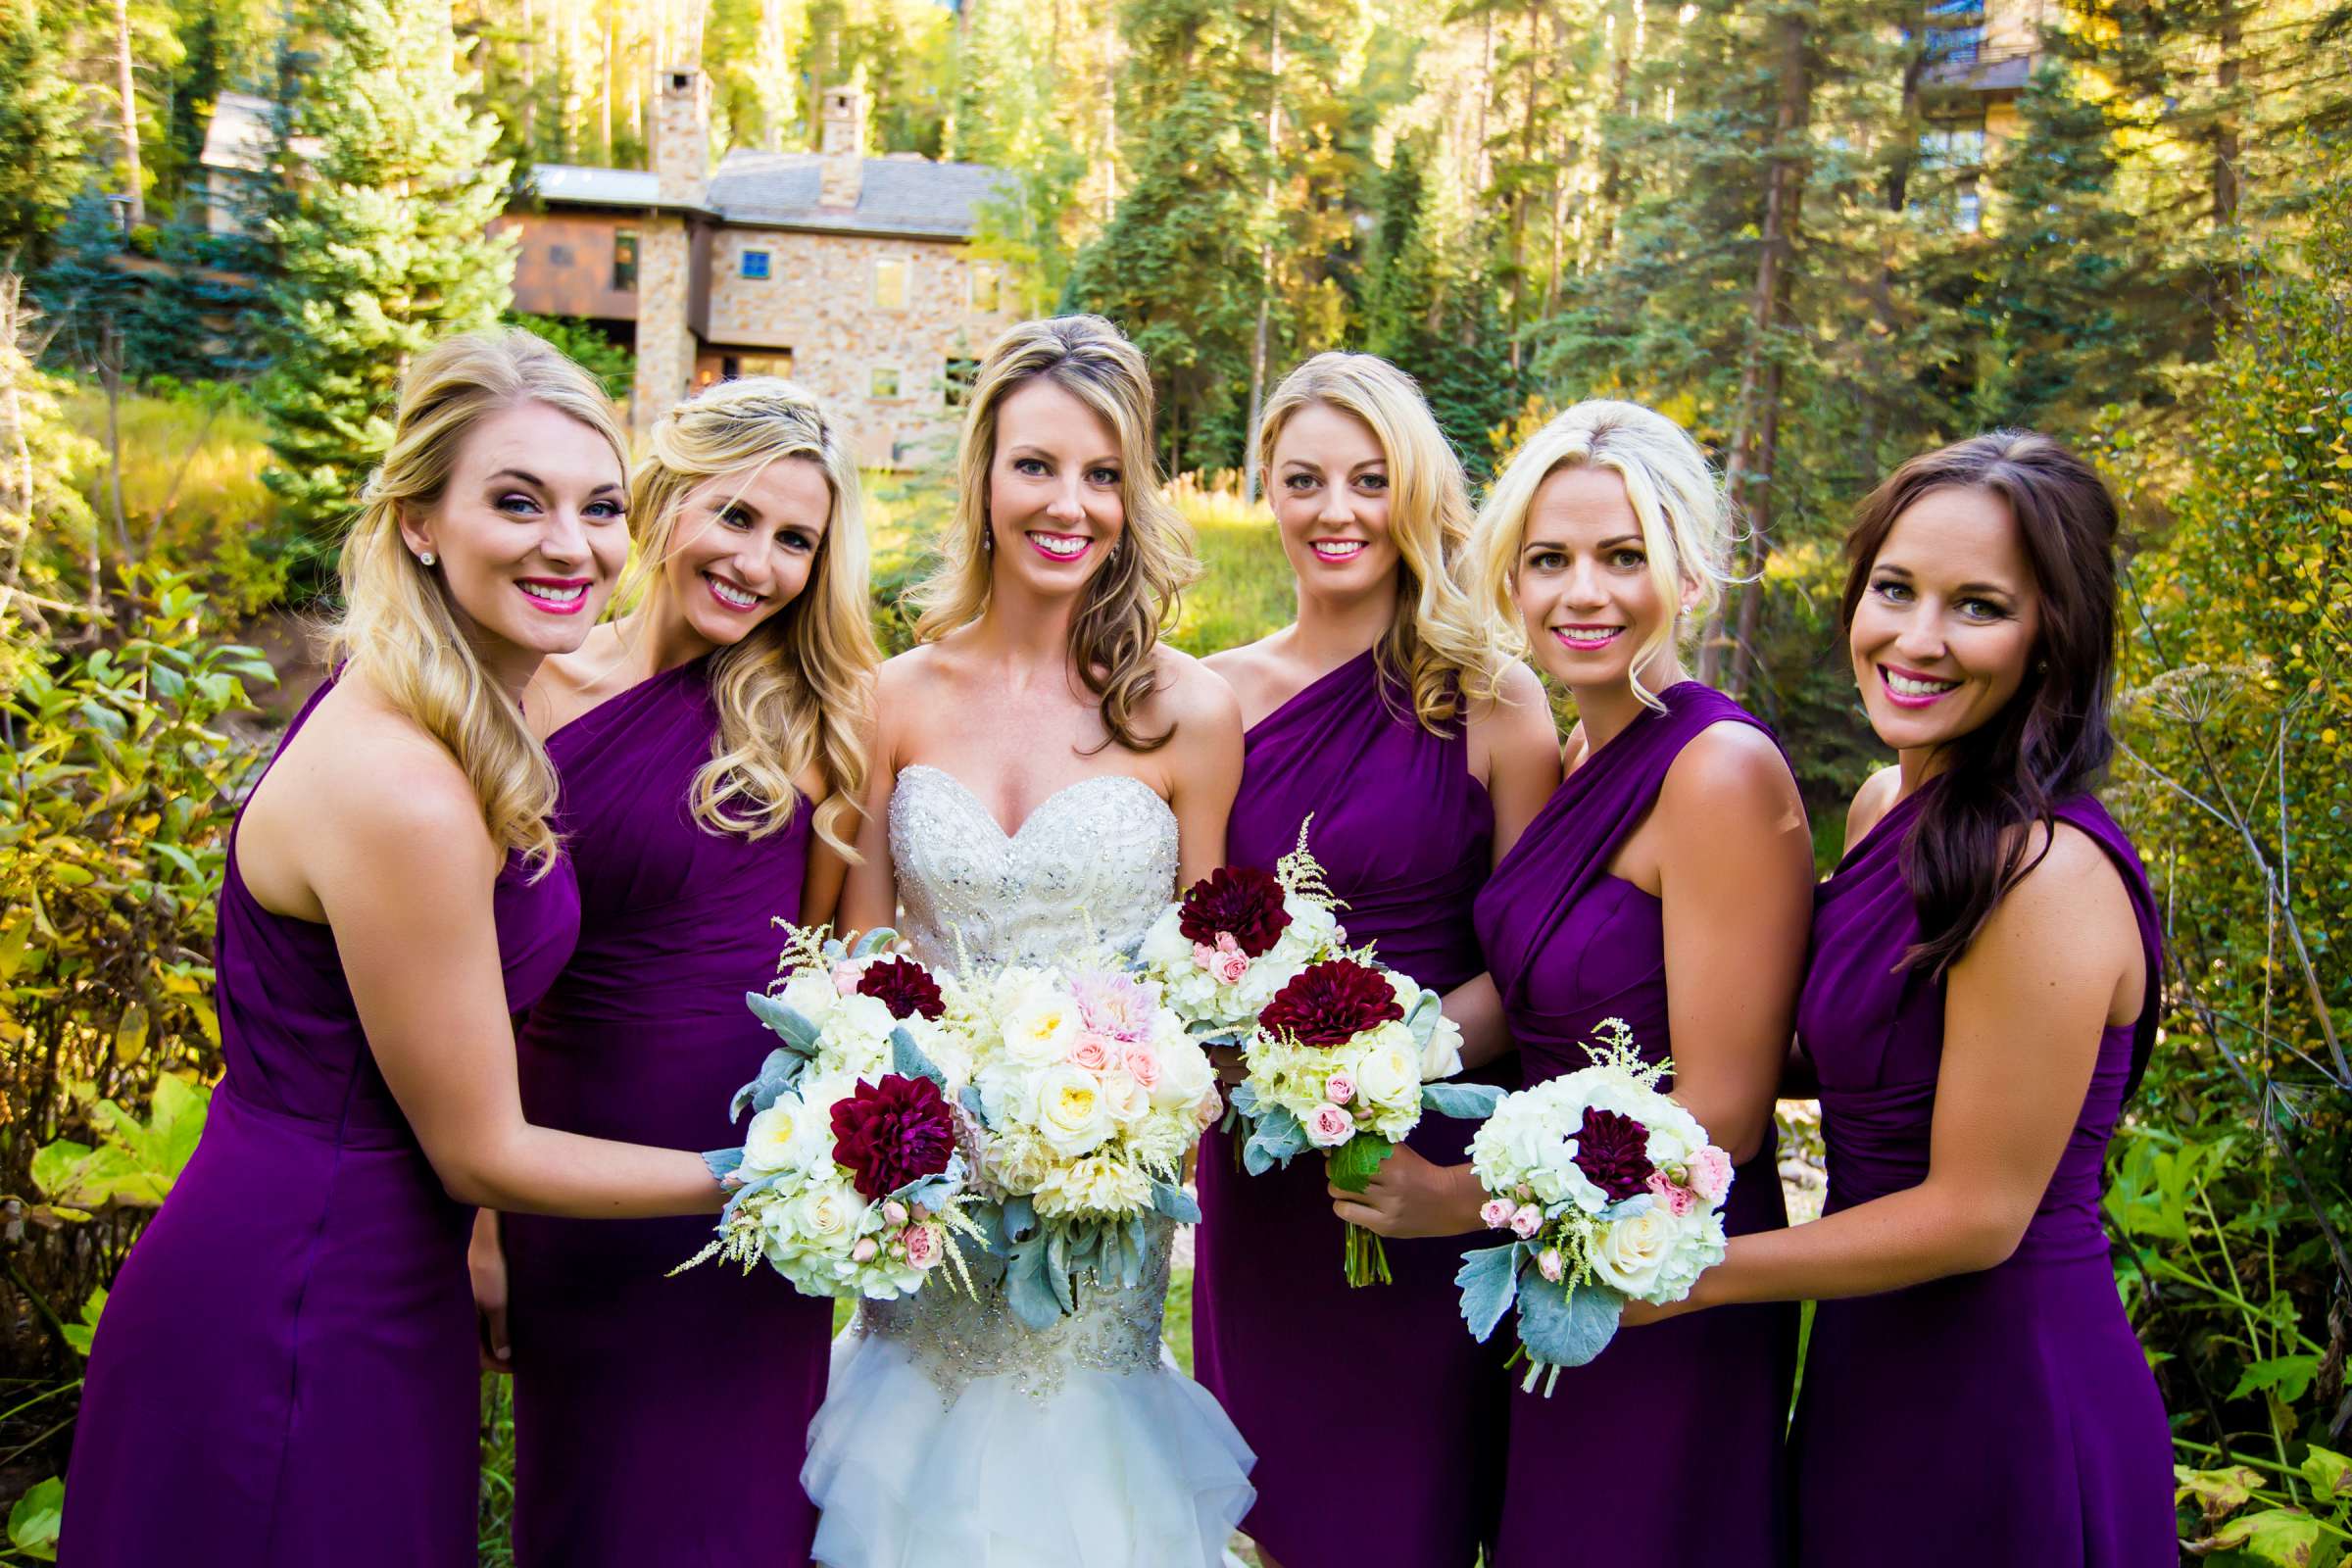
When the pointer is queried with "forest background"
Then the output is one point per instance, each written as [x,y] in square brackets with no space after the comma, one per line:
[1778,222]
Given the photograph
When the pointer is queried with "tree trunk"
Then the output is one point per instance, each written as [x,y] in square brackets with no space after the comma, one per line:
[130,113]
[603,107]
[1755,429]
[1266,252]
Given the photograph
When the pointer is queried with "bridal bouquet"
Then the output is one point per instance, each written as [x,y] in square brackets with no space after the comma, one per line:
[1088,1094]
[1336,1062]
[849,1181]
[1237,935]
[1609,1191]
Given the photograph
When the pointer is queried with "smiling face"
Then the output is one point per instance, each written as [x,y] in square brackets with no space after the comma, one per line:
[745,546]
[1584,583]
[1328,481]
[1056,501]
[1945,627]
[530,532]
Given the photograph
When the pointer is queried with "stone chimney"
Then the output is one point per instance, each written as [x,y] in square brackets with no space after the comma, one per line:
[681,149]
[842,144]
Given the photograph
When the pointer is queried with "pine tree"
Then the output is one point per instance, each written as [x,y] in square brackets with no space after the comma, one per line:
[41,134]
[386,249]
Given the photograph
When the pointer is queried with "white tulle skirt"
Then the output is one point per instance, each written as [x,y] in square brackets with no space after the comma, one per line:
[953,1438]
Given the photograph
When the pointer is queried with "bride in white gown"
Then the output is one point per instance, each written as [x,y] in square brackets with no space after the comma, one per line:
[1026,798]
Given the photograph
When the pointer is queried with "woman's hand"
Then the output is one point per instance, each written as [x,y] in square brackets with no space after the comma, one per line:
[1227,1059]
[1408,1195]
[486,1262]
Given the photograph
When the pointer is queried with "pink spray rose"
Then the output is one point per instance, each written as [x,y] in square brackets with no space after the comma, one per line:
[846,976]
[1328,1126]
[1527,1221]
[922,1245]
[1090,1053]
[864,1250]
[1143,1066]
[1340,1088]
[1226,961]
[1711,1173]
[1548,1264]
[1496,1213]
[1679,1200]
[894,1212]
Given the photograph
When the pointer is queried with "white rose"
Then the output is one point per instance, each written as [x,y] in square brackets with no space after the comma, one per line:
[1442,1055]
[822,1218]
[1165,947]
[1185,1073]
[810,994]
[767,1141]
[1632,1254]
[1008,1093]
[1042,1028]
[1388,1071]
[1073,1113]
[1127,1099]
[867,1018]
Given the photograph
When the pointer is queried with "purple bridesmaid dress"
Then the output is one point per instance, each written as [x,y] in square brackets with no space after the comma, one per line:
[2002,1416]
[1308,1367]
[626,1383]
[1679,1424]
[285,1374]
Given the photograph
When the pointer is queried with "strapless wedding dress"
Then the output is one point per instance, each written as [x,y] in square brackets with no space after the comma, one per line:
[951,1437]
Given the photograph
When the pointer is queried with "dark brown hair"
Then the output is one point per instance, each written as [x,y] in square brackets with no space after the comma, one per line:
[1968,845]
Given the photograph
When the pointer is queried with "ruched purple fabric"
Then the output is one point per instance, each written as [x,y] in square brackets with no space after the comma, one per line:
[627,1382]
[1320,1377]
[1699,1402]
[285,1371]
[2002,1416]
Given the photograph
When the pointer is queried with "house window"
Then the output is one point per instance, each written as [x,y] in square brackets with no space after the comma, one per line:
[624,260]
[1967,209]
[882,384]
[559,256]
[755,263]
[988,289]
[1956,30]
[962,374]
[765,363]
[1956,144]
[890,285]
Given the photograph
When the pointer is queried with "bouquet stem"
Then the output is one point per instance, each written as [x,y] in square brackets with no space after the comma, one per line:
[1367,1258]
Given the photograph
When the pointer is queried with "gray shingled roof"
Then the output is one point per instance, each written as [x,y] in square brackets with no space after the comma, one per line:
[596,188]
[895,195]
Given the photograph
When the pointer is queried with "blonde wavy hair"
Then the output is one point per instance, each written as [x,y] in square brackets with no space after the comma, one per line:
[1438,647]
[397,626]
[800,688]
[1132,597]
[1685,521]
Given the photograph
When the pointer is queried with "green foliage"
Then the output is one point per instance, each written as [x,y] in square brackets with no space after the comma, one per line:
[385,250]
[33,1523]
[135,1162]
[41,134]
[612,366]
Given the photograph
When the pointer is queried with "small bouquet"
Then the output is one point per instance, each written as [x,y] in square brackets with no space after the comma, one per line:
[1337,1064]
[1088,1094]
[1609,1190]
[850,1181]
[1236,937]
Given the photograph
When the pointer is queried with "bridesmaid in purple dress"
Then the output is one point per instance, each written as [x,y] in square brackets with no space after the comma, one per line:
[1981,997]
[710,745]
[1664,883]
[286,1373]
[1388,711]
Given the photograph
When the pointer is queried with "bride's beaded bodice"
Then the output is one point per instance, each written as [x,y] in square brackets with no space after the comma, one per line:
[1095,863]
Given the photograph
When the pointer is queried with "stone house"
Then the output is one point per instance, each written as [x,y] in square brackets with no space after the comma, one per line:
[854,275]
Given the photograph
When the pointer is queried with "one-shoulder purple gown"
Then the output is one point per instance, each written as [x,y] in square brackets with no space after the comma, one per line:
[1323,1378]
[1679,1424]
[2003,1416]
[286,1373]
[627,1383]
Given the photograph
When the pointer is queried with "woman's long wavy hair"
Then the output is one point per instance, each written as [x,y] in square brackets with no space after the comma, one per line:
[1685,521]
[397,626]
[1969,842]
[1132,597]
[1437,646]
[799,690]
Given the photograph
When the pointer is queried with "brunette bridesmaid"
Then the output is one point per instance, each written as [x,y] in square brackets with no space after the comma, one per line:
[1981,1000]
[712,744]
[1664,883]
[285,1374]
[1390,712]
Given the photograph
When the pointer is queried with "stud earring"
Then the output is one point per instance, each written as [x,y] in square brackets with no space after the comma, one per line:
[425,556]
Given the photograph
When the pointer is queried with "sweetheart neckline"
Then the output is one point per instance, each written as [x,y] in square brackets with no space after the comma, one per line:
[1037,810]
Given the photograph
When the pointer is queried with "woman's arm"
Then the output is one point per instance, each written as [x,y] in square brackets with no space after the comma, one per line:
[419,948]
[1736,882]
[869,894]
[2024,1011]
[1204,762]
[1516,750]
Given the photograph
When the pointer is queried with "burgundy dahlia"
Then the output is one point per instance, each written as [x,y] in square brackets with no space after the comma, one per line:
[891,1133]
[1330,1004]
[906,988]
[1240,900]
[1612,1149]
